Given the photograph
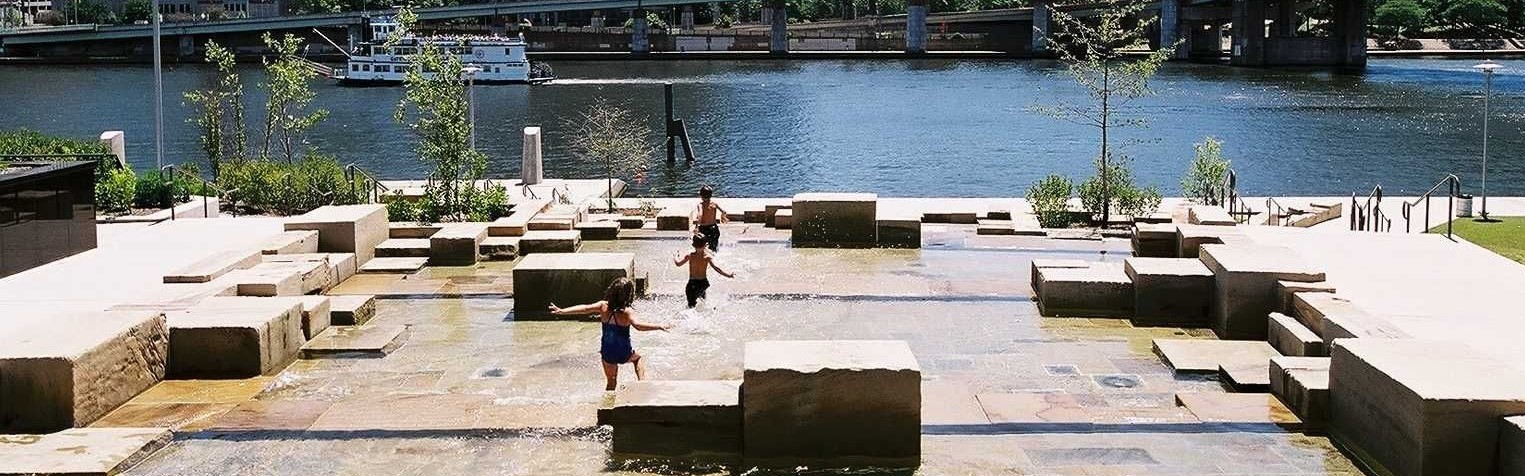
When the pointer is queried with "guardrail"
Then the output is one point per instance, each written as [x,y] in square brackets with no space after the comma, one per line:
[357,178]
[1453,190]
[168,174]
[1368,216]
[1229,199]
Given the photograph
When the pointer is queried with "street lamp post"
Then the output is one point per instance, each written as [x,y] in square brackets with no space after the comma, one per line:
[471,99]
[158,94]
[1487,67]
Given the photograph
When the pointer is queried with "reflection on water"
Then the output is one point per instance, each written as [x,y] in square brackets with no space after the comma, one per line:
[899,128]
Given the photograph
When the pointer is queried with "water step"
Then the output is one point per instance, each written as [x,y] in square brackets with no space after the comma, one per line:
[675,417]
[351,309]
[299,241]
[410,230]
[1100,290]
[403,248]
[542,241]
[234,337]
[599,230]
[393,265]
[499,248]
[995,227]
[1208,355]
[1239,408]
[355,342]
[80,451]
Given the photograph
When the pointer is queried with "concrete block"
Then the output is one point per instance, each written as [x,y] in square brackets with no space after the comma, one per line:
[1207,356]
[499,248]
[1101,290]
[783,219]
[316,315]
[835,220]
[995,227]
[685,418]
[365,342]
[820,401]
[1209,215]
[771,211]
[411,230]
[949,216]
[214,266]
[632,222]
[1347,326]
[1040,263]
[234,337]
[67,369]
[341,266]
[566,241]
[1310,308]
[312,276]
[80,451]
[673,219]
[601,230]
[1307,394]
[1421,407]
[998,213]
[754,216]
[1155,240]
[1190,238]
[1239,408]
[565,279]
[552,222]
[303,241]
[403,248]
[898,231]
[393,265]
[1293,338]
[456,245]
[1512,446]
[1245,285]
[1286,289]
[346,228]
[1170,291]
[1280,365]
[263,283]
[351,309]
[1246,377]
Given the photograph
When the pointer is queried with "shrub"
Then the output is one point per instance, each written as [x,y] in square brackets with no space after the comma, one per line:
[49,17]
[401,209]
[1126,197]
[115,192]
[1204,179]
[269,186]
[1049,198]
[152,188]
[486,204]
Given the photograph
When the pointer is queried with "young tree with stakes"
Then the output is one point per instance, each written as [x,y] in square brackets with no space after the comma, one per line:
[223,136]
[435,102]
[1094,52]
[613,137]
[287,79]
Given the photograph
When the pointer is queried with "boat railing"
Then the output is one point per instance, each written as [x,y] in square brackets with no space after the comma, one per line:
[1452,185]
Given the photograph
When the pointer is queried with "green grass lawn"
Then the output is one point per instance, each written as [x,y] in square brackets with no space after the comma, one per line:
[1506,237]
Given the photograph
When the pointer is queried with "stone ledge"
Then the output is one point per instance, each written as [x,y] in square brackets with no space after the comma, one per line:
[1101,290]
[676,417]
[351,309]
[234,337]
[214,266]
[355,342]
[80,451]
[1292,338]
[302,241]
[64,369]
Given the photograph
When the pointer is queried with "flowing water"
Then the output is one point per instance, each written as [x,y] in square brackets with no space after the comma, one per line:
[900,128]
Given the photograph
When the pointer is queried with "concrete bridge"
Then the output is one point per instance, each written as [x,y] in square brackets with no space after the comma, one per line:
[1282,39]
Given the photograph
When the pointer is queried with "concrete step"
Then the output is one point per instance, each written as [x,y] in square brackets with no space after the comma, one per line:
[673,219]
[80,451]
[393,265]
[65,369]
[403,248]
[351,309]
[1170,291]
[214,266]
[675,417]
[355,342]
[410,230]
[1311,307]
[300,241]
[1099,290]
[1206,356]
[564,241]
[316,315]
[603,230]
[995,227]
[1239,408]
[783,219]
[457,244]
[1304,387]
[1291,337]
[499,248]
[234,337]
[341,266]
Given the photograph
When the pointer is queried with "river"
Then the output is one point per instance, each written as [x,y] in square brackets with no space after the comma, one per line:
[896,127]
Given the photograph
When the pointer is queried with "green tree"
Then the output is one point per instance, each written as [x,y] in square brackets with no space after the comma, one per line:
[434,106]
[1204,178]
[221,117]
[89,11]
[1476,14]
[1401,17]
[1093,53]
[611,136]
[136,10]
[287,80]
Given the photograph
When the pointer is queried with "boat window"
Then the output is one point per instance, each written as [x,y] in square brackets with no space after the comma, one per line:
[381,68]
[354,67]
[365,68]
[496,69]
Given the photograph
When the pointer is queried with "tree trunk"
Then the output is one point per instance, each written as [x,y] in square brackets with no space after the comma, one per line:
[1106,92]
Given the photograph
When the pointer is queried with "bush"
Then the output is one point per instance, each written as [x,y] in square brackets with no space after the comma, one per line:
[486,204]
[25,141]
[152,188]
[114,193]
[1049,198]
[1204,179]
[401,209]
[49,17]
[1120,193]
[275,187]
[1399,17]
[136,10]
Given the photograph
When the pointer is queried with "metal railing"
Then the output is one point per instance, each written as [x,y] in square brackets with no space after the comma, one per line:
[1453,190]
[1229,199]
[1368,216]
[168,173]
[357,178]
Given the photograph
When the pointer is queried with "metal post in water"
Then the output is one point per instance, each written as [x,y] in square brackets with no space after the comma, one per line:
[158,94]
[667,98]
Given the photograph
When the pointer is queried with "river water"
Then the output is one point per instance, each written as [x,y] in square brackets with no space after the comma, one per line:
[895,127]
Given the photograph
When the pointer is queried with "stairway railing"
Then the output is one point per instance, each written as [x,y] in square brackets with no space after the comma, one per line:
[1278,215]
[168,174]
[1368,215]
[1453,189]
[1230,200]
[358,178]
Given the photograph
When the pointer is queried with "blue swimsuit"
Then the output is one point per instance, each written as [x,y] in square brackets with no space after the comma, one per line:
[615,347]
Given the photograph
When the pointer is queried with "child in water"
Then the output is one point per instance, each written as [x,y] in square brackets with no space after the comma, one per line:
[708,217]
[616,318]
[699,262]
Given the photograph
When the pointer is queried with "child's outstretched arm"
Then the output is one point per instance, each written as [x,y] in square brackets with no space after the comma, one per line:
[682,259]
[578,310]
[641,326]
[721,271]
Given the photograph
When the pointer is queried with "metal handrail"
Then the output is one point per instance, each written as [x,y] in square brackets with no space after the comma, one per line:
[1369,217]
[1230,200]
[168,172]
[373,195]
[1453,190]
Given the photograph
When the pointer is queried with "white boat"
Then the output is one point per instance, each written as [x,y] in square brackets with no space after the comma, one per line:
[501,60]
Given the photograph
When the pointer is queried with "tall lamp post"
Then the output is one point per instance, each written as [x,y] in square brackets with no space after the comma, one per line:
[158,94]
[1487,67]
[471,99]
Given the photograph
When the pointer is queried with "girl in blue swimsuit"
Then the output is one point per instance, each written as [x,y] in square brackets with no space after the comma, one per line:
[616,318]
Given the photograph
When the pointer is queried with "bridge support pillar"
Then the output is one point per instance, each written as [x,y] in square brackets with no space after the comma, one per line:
[1285,23]
[640,39]
[1171,29]
[777,14]
[1249,44]
[356,35]
[686,22]
[187,46]
[1040,28]
[916,27]
[597,20]
[1350,29]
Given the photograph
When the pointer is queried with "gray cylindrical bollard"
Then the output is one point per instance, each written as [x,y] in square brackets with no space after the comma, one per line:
[530,171]
[1463,206]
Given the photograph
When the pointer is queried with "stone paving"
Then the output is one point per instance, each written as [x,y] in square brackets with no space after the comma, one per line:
[473,390]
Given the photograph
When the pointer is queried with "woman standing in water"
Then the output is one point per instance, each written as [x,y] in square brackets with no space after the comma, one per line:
[616,318]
